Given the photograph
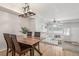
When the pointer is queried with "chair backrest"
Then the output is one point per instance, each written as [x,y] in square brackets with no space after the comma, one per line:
[8,40]
[16,44]
[37,34]
[29,34]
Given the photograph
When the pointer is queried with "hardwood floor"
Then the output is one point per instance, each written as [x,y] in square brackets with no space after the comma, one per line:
[50,50]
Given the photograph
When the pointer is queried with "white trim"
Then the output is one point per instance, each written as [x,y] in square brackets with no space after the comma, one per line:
[2,49]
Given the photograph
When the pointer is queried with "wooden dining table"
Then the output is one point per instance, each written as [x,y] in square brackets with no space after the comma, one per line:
[31,41]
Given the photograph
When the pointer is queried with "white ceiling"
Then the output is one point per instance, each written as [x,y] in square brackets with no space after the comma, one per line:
[47,11]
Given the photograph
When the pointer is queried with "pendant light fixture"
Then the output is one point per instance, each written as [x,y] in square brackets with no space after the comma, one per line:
[27,11]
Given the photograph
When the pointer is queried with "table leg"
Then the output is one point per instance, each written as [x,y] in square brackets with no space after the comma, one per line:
[38,47]
[38,51]
[32,51]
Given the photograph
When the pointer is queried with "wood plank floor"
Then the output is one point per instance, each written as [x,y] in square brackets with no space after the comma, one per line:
[49,50]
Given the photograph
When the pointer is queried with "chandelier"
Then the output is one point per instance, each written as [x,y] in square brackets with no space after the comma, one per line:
[26,11]
[53,23]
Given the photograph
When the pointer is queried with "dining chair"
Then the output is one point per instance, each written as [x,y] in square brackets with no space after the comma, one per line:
[20,48]
[37,34]
[10,46]
[29,34]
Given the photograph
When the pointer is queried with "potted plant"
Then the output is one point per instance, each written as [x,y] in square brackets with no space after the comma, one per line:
[24,30]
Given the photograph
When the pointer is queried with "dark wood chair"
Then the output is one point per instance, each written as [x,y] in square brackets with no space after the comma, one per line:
[29,34]
[20,48]
[37,35]
[10,46]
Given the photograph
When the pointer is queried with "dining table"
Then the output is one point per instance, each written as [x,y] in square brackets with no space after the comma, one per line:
[31,41]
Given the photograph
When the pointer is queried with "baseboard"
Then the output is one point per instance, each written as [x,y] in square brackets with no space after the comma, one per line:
[49,43]
[2,50]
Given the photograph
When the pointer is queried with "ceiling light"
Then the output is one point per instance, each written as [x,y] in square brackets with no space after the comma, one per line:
[27,11]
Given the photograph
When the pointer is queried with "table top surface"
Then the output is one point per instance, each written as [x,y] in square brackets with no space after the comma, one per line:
[29,41]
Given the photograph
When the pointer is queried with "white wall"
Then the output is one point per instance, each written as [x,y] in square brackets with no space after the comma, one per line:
[11,23]
[47,11]
[8,23]
[74,31]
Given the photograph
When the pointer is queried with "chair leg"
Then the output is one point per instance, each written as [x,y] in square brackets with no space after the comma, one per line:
[30,52]
[7,52]
[13,53]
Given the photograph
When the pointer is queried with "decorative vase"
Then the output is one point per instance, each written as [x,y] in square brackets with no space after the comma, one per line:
[24,35]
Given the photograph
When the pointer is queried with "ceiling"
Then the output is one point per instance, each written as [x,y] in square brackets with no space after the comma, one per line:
[47,11]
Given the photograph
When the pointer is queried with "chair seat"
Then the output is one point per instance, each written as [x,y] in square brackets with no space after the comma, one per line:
[24,48]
